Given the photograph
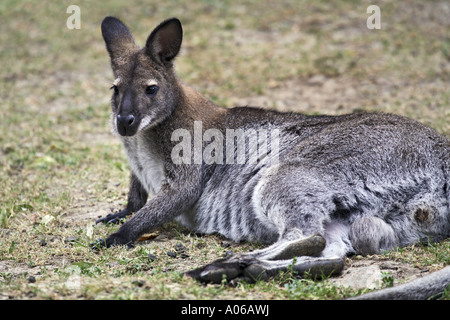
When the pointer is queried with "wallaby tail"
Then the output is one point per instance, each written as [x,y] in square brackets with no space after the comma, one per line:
[431,286]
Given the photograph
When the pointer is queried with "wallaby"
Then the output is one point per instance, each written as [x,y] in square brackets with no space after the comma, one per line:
[322,188]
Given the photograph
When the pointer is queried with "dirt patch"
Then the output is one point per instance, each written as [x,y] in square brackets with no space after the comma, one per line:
[373,273]
[89,210]
[325,95]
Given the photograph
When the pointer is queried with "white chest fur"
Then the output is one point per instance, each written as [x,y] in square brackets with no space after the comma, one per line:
[146,164]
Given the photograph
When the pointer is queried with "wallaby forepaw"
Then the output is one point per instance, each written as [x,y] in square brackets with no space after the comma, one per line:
[112,240]
[114,218]
[97,244]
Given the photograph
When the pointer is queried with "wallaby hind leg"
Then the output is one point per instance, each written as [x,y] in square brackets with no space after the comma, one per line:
[311,246]
[300,255]
[315,267]
[270,261]
[253,269]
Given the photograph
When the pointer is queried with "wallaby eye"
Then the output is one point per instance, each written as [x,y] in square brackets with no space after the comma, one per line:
[151,90]
[115,88]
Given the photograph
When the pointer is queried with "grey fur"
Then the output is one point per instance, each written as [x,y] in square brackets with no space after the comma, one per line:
[337,185]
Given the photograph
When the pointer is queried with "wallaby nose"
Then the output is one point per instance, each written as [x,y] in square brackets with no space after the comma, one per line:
[124,124]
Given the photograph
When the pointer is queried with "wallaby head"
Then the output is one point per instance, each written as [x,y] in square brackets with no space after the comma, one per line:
[145,90]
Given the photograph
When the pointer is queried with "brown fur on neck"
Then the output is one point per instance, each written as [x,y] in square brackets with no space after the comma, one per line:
[193,106]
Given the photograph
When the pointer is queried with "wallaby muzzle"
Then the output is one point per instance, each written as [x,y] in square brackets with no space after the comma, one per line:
[126,125]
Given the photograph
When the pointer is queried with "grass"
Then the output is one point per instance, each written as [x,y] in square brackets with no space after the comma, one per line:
[60,168]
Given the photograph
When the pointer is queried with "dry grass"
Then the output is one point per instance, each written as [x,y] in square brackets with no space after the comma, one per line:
[61,169]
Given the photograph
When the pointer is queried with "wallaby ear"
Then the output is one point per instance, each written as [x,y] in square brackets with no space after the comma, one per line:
[164,42]
[118,38]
